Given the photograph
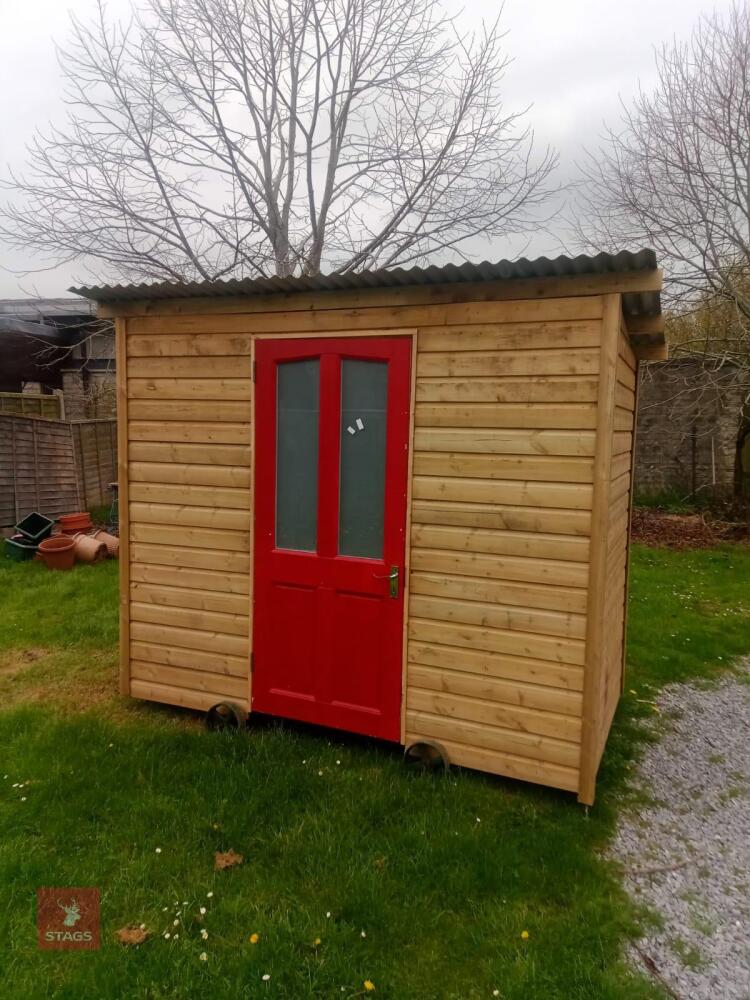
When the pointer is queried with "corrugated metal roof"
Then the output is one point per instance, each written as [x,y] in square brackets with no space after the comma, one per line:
[645,304]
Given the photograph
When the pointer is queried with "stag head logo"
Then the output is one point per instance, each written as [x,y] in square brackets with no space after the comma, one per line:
[68,919]
[72,913]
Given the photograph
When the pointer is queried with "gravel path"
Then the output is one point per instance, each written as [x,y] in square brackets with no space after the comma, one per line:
[687,856]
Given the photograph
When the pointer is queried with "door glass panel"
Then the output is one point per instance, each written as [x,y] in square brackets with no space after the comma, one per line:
[364,397]
[297,410]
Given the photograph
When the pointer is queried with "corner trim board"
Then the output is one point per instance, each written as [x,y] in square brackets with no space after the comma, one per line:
[122,506]
[596,602]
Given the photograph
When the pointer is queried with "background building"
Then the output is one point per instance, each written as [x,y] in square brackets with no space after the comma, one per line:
[57,347]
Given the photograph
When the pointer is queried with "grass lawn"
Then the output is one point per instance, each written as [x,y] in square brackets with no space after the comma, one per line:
[355,869]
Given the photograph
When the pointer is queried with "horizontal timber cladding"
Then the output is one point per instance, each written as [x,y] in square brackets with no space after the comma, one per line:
[503,466]
[503,454]
[189,407]
[618,532]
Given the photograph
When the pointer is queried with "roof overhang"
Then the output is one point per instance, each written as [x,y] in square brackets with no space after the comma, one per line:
[40,331]
[634,275]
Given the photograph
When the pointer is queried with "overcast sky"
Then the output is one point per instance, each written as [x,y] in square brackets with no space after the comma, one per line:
[573,60]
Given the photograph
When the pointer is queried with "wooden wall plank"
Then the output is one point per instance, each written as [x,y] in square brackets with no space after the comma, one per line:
[215,539]
[504,442]
[492,640]
[511,543]
[189,345]
[470,754]
[190,475]
[187,558]
[190,638]
[196,517]
[447,607]
[485,736]
[214,685]
[231,411]
[452,705]
[510,336]
[189,388]
[489,689]
[484,663]
[521,389]
[182,597]
[528,362]
[191,578]
[201,432]
[191,496]
[180,697]
[215,622]
[572,496]
[493,515]
[530,596]
[545,468]
[555,572]
[189,454]
[190,659]
[406,317]
[574,416]
[198,368]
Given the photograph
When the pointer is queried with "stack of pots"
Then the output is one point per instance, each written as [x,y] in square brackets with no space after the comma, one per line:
[78,541]
[74,524]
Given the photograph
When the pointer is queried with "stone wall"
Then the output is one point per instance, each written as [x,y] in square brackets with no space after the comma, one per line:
[689,415]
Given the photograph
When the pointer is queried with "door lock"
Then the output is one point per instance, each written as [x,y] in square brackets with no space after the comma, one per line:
[393,578]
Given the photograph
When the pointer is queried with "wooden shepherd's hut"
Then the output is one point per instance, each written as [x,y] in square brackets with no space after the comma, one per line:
[395,502]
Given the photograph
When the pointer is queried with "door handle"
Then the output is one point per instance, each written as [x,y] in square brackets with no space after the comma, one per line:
[393,579]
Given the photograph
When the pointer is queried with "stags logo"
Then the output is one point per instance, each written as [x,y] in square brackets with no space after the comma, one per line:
[67,919]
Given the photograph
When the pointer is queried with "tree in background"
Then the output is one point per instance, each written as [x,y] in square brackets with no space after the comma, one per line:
[212,138]
[675,175]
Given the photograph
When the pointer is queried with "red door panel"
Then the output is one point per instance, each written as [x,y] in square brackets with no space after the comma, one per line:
[331,445]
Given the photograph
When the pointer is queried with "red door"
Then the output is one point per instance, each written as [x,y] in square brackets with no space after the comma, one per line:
[331,460]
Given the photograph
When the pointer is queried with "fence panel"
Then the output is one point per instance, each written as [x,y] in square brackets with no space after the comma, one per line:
[54,466]
[96,457]
[29,404]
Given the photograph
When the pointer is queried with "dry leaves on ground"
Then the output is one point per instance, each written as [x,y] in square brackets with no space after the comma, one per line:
[227,859]
[675,531]
[131,935]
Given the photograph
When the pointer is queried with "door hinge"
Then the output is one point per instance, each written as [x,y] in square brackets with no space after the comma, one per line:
[252,663]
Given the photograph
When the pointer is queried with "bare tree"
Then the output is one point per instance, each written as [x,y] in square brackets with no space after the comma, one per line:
[211,138]
[675,175]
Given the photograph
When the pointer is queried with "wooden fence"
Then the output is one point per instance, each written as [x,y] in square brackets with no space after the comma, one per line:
[96,459]
[29,404]
[54,466]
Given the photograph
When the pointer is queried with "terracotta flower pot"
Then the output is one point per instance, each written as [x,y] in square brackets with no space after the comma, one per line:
[88,549]
[57,552]
[72,524]
[111,541]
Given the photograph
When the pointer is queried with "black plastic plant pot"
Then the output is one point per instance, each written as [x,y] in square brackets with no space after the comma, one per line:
[36,527]
[19,548]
